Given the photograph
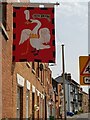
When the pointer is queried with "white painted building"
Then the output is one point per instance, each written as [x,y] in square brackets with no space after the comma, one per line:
[71,92]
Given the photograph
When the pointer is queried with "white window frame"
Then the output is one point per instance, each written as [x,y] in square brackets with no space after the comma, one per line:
[27,104]
[18,0]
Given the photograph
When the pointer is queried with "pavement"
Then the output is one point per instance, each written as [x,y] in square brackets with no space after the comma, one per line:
[83,116]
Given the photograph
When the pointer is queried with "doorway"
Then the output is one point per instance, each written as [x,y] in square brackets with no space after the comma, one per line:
[33,97]
[19,103]
[27,104]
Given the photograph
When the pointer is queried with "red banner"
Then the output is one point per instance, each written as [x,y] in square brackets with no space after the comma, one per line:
[33,34]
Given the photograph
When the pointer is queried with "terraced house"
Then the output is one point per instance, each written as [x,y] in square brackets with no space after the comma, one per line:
[73,93]
[24,86]
[27,89]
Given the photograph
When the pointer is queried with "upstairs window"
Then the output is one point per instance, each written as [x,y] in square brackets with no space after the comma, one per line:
[38,70]
[3,19]
[0,12]
[3,13]
[33,65]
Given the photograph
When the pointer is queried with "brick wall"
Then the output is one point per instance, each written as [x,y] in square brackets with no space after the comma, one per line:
[9,76]
[85,102]
[6,68]
[0,76]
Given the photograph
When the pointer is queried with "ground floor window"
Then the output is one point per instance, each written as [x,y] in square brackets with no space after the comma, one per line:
[27,104]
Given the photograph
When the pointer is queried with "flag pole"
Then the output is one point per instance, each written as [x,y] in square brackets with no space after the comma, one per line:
[34,4]
[89,96]
[63,69]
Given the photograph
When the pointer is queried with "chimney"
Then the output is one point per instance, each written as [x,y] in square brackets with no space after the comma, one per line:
[69,76]
[66,76]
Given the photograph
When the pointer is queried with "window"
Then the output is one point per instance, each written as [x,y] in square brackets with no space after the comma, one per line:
[50,79]
[3,20]
[3,13]
[38,106]
[0,12]
[33,66]
[76,97]
[33,113]
[18,0]
[38,69]
[43,76]
[27,104]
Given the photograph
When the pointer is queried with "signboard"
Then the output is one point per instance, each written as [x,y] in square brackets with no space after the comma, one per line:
[84,62]
[33,34]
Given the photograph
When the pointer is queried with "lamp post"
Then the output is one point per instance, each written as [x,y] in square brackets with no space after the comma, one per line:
[63,69]
[89,97]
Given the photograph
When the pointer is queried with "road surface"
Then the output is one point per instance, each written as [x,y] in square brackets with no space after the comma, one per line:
[84,116]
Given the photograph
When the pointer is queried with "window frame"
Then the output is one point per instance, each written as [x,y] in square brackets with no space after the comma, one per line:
[3,20]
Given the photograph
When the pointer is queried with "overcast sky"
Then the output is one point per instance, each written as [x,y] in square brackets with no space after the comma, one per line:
[71,25]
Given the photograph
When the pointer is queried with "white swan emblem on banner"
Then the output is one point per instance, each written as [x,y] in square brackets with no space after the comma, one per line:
[38,38]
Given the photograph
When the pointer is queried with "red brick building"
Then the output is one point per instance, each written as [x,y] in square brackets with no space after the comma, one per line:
[85,98]
[24,86]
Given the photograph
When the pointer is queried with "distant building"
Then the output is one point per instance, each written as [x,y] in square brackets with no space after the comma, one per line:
[25,87]
[58,91]
[85,102]
[72,91]
[80,99]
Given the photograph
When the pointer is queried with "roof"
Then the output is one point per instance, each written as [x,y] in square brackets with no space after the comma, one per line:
[59,79]
[54,80]
[84,92]
[73,81]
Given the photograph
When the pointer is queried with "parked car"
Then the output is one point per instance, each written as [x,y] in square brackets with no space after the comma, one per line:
[70,113]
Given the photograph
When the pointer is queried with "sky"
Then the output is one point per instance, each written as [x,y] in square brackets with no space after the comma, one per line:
[71,29]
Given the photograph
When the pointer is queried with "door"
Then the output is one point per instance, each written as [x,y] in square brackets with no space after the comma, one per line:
[18,102]
[33,106]
[27,104]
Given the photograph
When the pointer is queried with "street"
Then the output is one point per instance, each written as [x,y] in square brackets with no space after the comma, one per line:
[84,116]
[38,79]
